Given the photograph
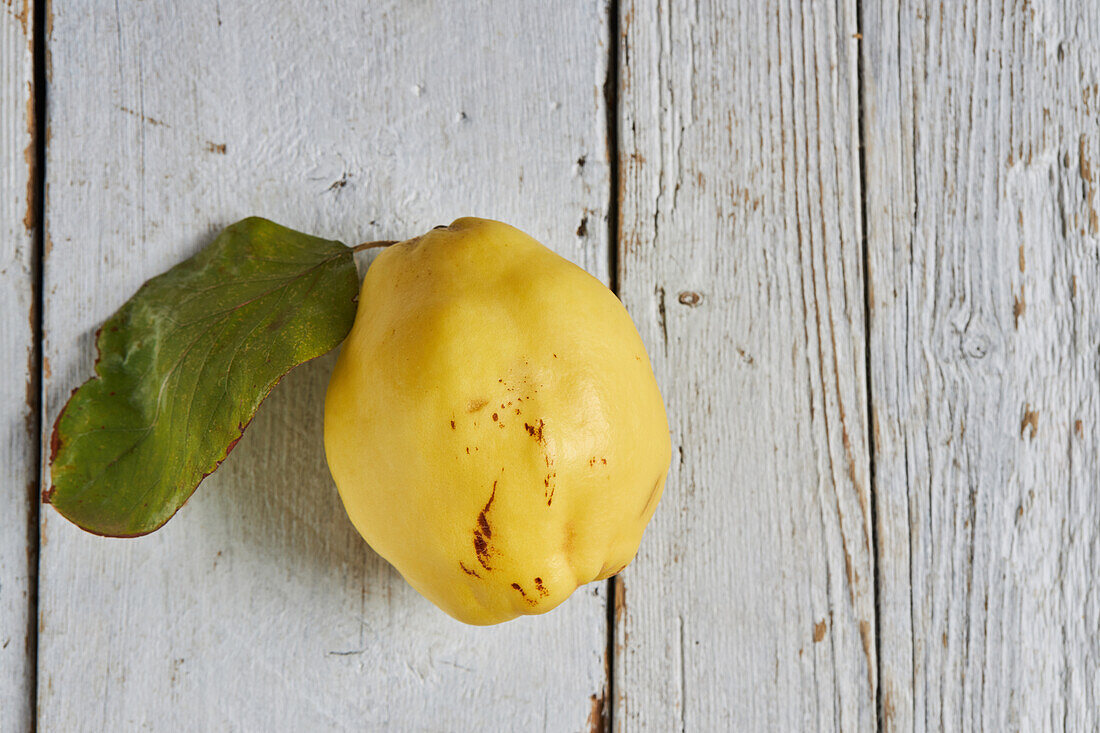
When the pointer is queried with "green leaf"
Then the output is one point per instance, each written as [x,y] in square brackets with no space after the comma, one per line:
[184,364]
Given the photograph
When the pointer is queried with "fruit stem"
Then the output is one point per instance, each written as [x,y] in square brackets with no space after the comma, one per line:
[372,245]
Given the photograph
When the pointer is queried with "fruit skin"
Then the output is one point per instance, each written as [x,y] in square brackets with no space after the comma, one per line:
[493,423]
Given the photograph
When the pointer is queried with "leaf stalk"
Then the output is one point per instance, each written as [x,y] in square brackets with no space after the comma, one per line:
[373,245]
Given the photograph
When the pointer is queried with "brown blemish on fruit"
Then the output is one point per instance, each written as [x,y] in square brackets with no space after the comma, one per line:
[483,532]
[541,588]
[519,587]
[819,631]
[467,570]
[536,432]
[547,483]
[452,424]
[495,417]
[481,547]
[489,503]
[475,405]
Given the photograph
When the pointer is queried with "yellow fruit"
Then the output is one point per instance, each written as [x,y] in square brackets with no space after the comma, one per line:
[493,423]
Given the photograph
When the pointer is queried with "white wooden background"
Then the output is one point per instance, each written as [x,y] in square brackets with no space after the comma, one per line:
[860,239]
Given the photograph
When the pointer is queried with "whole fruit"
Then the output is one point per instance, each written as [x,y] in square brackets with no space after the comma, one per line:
[493,424]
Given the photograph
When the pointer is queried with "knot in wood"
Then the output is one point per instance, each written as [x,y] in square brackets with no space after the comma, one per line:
[690,298]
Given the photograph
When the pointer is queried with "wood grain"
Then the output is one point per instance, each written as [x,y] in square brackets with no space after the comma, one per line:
[982,133]
[18,399]
[751,604]
[258,607]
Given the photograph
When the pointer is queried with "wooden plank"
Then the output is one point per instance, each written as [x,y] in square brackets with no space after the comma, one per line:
[18,400]
[750,606]
[258,607]
[982,131]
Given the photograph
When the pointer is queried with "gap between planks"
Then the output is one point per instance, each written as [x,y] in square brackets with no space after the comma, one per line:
[39,28]
[605,718]
[865,258]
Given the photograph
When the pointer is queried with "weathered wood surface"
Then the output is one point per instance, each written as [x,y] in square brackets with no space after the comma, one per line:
[751,603]
[258,607]
[982,134]
[18,461]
